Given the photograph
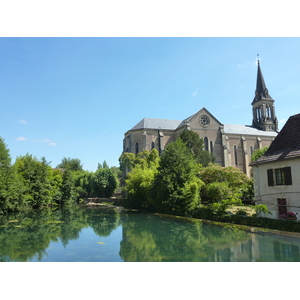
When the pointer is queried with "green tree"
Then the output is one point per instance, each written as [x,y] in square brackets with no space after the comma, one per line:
[105,165]
[140,179]
[258,153]
[195,144]
[5,159]
[11,185]
[73,164]
[104,183]
[176,185]
[36,177]
[224,186]
[144,159]
[69,192]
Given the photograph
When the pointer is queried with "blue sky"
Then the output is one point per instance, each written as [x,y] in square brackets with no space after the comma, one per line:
[76,97]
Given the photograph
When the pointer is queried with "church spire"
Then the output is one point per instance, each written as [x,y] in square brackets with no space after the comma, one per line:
[261,91]
[263,108]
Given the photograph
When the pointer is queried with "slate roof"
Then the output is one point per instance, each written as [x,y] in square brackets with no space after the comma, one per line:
[286,145]
[261,92]
[149,123]
[246,130]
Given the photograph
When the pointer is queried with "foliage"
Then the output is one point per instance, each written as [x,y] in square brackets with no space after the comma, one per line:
[196,145]
[5,159]
[258,153]
[126,160]
[241,212]
[32,183]
[140,179]
[104,183]
[73,164]
[35,175]
[261,208]
[176,186]
[83,183]
[253,221]
[139,183]
[238,182]
[68,188]
[144,159]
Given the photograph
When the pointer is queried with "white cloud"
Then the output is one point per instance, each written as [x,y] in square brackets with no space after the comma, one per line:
[282,121]
[194,94]
[21,138]
[52,144]
[23,121]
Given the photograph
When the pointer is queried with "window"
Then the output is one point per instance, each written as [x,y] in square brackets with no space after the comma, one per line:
[211,147]
[136,148]
[206,144]
[283,176]
[282,208]
[235,155]
[152,145]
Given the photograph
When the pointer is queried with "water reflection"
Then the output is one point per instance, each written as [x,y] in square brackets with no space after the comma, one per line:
[27,236]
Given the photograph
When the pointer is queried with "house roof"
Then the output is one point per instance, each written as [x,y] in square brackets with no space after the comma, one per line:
[246,130]
[149,123]
[286,145]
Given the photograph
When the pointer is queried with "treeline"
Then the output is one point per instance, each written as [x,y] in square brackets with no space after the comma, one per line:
[31,182]
[181,179]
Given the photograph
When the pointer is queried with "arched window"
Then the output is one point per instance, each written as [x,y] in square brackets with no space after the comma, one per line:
[206,143]
[251,150]
[235,155]
[152,145]
[136,148]
[211,147]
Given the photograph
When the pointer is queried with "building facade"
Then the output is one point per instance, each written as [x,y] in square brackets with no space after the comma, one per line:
[232,145]
[276,174]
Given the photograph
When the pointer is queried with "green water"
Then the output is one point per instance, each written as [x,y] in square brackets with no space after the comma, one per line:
[112,235]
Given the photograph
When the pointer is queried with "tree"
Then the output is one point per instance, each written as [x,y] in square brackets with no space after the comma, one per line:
[11,185]
[68,189]
[258,153]
[176,186]
[224,186]
[5,159]
[195,144]
[104,183]
[103,166]
[144,159]
[73,164]
[36,177]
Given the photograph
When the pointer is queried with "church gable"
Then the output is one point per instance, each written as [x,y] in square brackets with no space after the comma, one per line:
[203,119]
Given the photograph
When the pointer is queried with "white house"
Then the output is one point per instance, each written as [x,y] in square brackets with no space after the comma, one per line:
[277,173]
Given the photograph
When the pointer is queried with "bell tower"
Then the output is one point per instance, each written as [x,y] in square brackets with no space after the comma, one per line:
[264,117]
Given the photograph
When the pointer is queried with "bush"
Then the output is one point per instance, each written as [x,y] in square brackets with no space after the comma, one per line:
[283,225]
[241,212]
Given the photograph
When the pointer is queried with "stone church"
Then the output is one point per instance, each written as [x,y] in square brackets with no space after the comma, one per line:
[232,145]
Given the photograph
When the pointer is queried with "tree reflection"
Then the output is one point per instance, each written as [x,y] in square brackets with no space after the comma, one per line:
[26,234]
[155,238]
[103,220]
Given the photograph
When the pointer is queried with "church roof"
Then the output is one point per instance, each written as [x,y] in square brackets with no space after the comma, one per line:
[261,92]
[286,145]
[246,130]
[150,123]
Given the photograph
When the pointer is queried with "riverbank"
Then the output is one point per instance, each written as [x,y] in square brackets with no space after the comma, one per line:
[253,223]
